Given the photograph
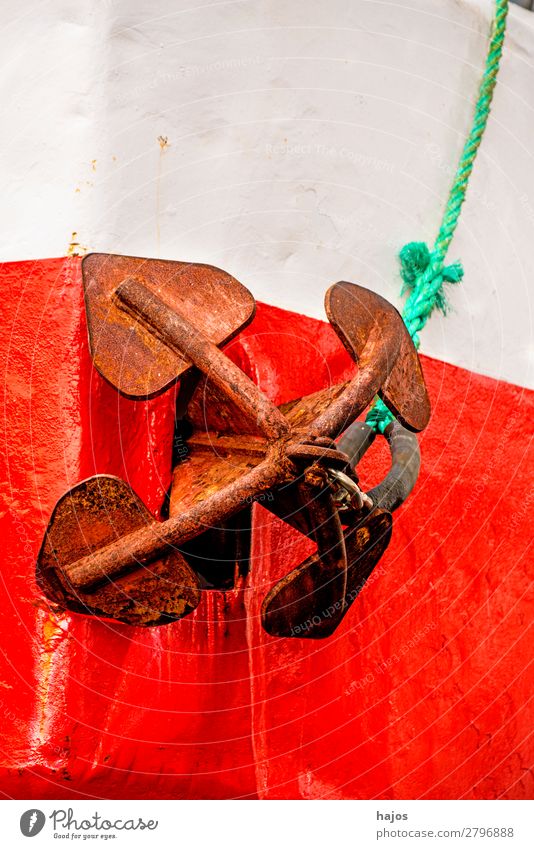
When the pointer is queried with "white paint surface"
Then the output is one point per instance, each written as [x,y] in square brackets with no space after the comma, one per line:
[308,140]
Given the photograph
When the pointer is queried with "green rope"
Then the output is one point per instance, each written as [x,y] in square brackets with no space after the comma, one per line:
[423,270]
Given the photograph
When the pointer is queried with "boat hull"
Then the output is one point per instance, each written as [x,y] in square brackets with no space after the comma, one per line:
[421,693]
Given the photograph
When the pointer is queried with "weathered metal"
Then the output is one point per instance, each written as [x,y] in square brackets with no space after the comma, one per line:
[151,322]
[125,352]
[90,516]
[301,604]
[397,485]
[307,603]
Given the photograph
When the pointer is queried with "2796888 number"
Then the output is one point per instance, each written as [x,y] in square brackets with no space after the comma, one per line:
[497,831]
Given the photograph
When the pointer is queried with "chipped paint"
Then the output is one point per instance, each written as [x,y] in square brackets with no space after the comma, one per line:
[75,248]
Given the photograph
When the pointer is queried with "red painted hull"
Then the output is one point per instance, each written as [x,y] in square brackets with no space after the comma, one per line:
[424,690]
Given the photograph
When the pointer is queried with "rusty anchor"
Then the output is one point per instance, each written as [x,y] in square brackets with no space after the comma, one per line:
[152,322]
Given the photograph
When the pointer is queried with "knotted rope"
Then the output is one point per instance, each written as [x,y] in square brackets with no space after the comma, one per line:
[423,271]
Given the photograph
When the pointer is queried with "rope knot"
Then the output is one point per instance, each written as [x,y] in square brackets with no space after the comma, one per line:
[424,274]
[414,259]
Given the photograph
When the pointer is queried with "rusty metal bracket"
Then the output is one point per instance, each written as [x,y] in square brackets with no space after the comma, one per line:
[295,600]
[152,322]
[405,462]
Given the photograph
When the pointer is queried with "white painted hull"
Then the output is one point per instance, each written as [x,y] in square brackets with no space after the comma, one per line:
[306,143]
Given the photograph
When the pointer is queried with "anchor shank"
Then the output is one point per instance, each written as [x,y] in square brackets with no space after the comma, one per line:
[151,541]
[184,338]
[375,364]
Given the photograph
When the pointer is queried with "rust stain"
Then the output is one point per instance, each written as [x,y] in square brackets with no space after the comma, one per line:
[75,248]
[163,145]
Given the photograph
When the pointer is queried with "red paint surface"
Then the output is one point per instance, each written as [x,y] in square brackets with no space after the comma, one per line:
[424,690]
